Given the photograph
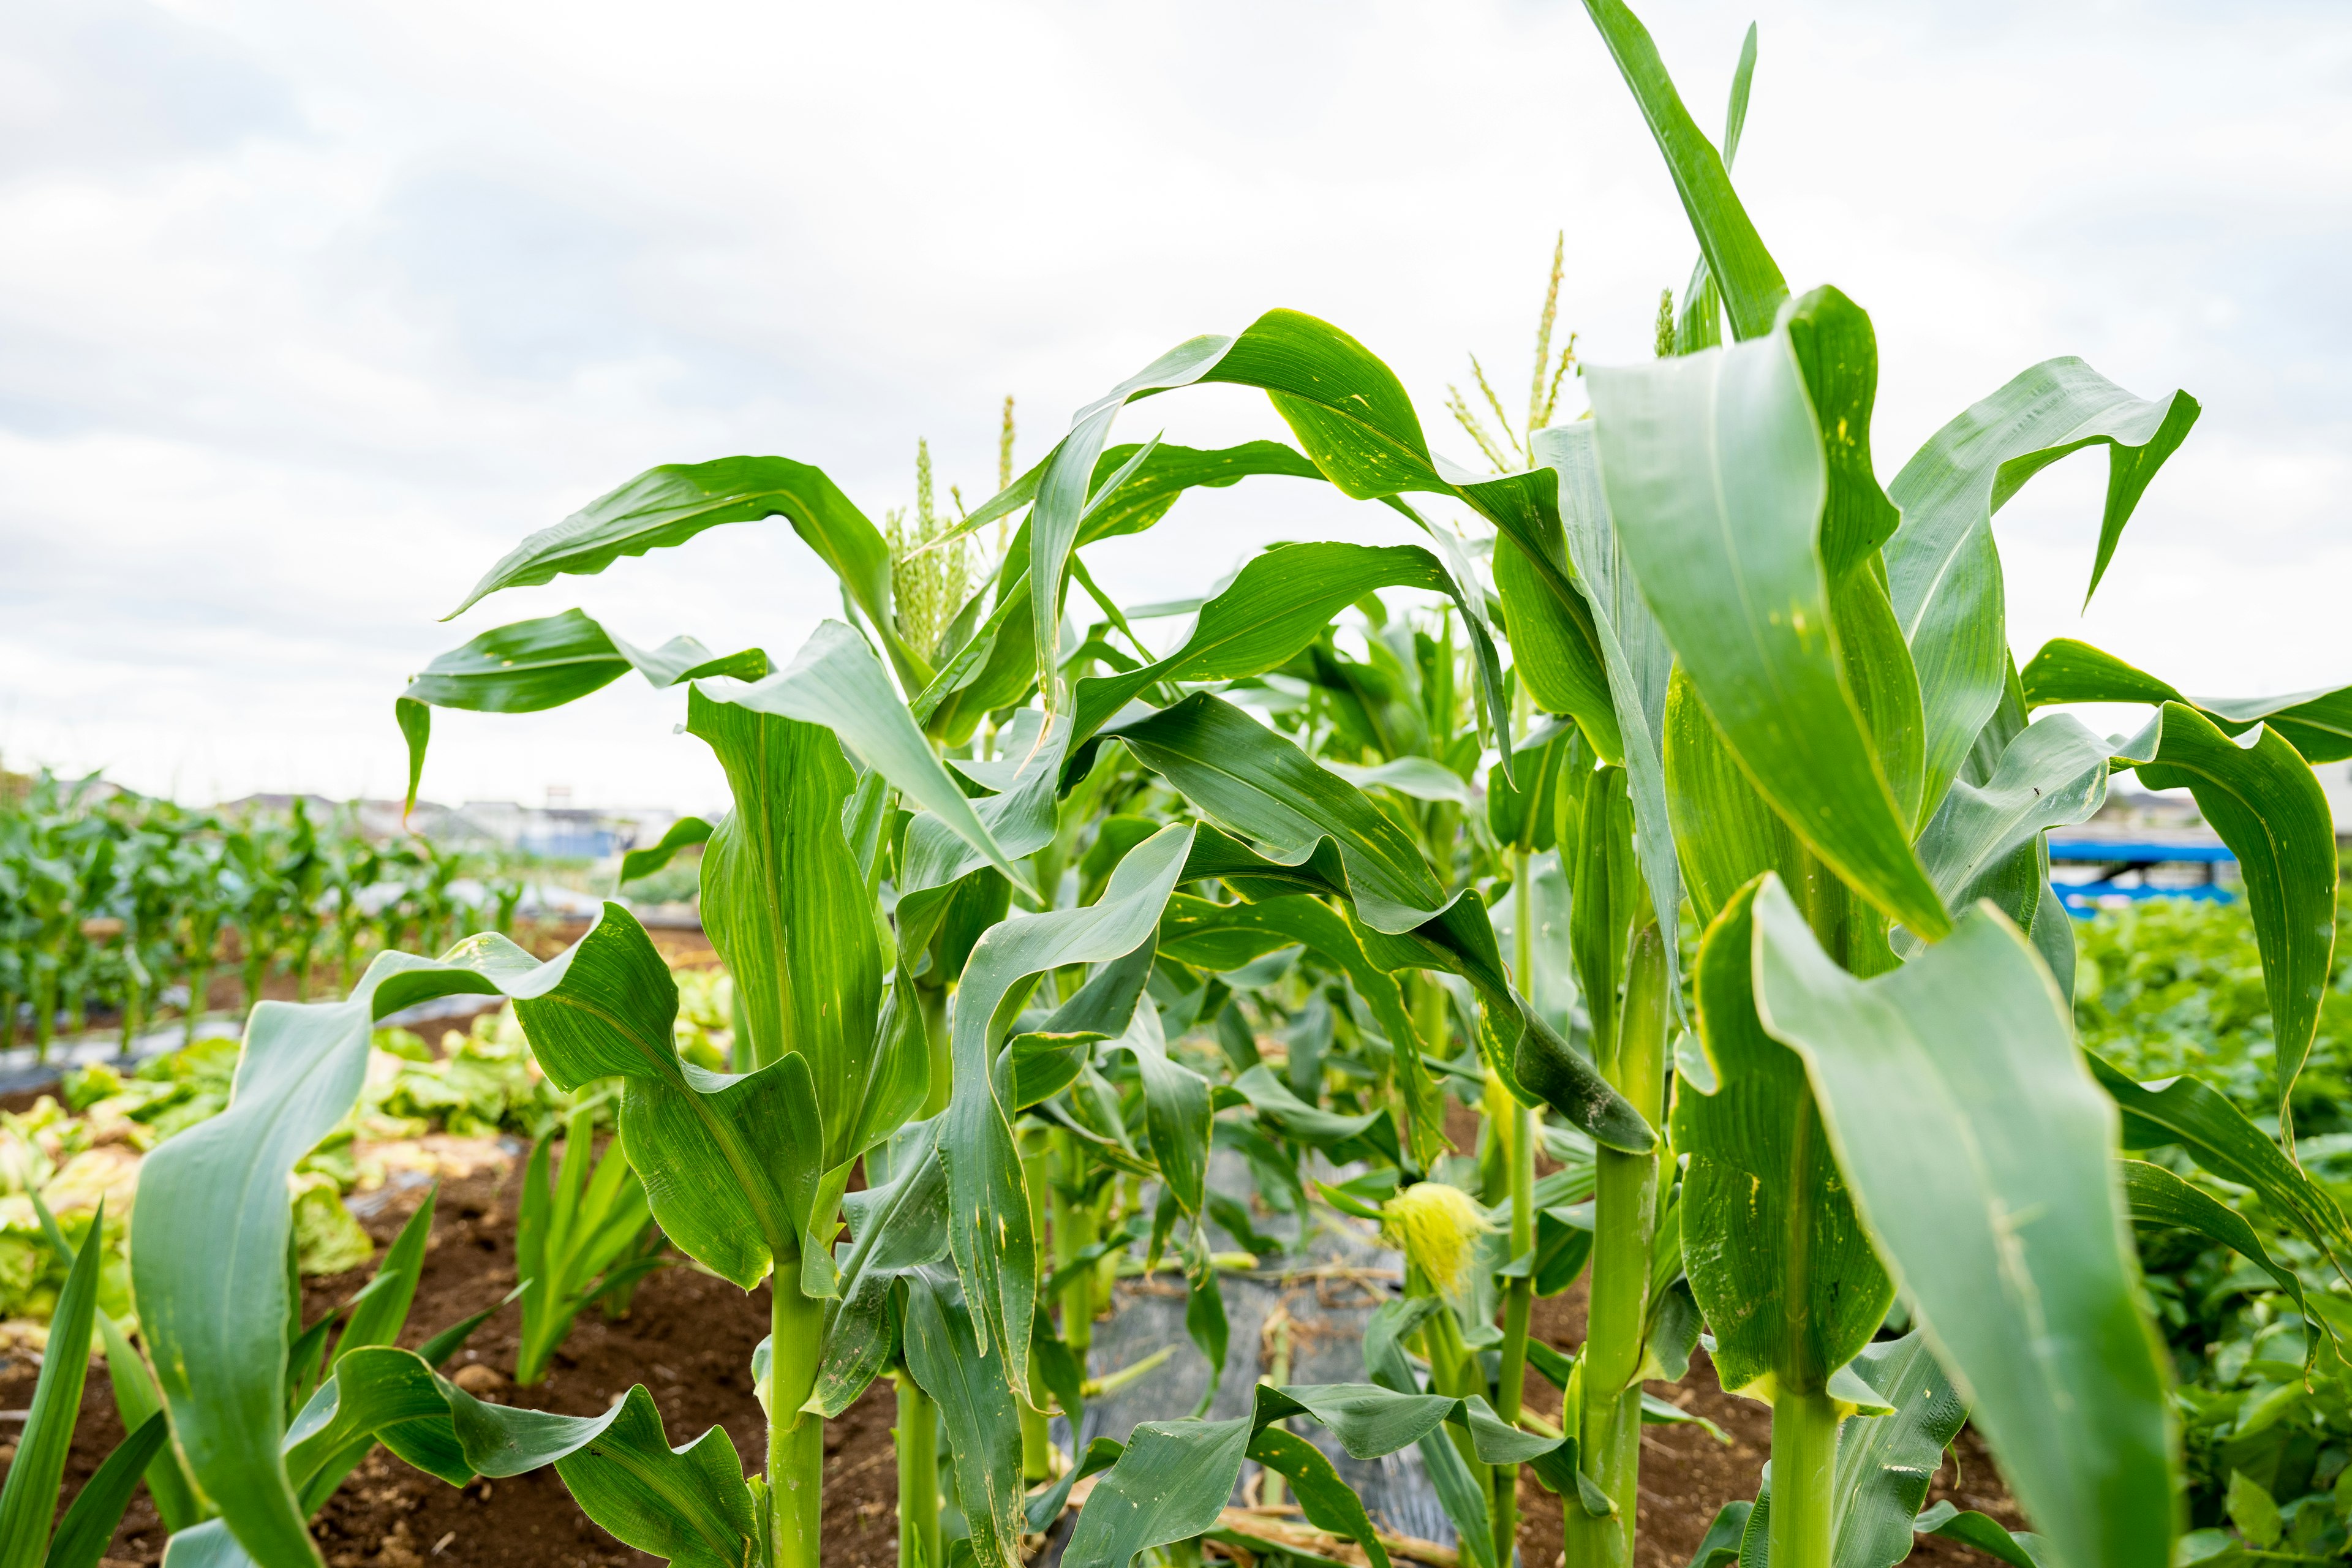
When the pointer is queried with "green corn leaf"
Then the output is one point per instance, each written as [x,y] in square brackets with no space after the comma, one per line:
[205,1545]
[1280,602]
[88,1526]
[373,1389]
[1355,422]
[835,683]
[2220,1139]
[688,1505]
[1735,836]
[1634,651]
[1942,568]
[790,911]
[1065,485]
[1734,253]
[1885,1463]
[681,835]
[1978,1153]
[1987,1534]
[378,1313]
[1555,645]
[1047,1505]
[670,504]
[1719,1547]
[214,1299]
[1458,1492]
[2268,807]
[2317,723]
[533,665]
[982,1421]
[2157,1197]
[1716,482]
[1268,799]
[28,1497]
[1176,1110]
[1190,923]
[1259,782]
[900,1226]
[415,720]
[1982,841]
[1775,1255]
[209,1243]
[988,1225]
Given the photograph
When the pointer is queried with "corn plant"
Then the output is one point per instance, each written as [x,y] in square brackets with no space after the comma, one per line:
[580,1236]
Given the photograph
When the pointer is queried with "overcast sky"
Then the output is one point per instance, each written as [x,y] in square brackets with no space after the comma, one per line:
[307,313]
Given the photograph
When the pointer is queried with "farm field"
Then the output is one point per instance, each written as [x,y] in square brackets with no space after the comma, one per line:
[1550,1042]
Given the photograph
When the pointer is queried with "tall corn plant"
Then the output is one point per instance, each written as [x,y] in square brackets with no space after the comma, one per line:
[1879,1091]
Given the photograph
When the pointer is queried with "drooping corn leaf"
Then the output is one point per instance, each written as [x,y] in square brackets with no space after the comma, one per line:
[1734,253]
[2221,1140]
[1716,483]
[529,666]
[2268,807]
[2158,1197]
[670,504]
[1326,837]
[1885,1463]
[1980,843]
[2317,723]
[1980,1156]
[835,683]
[1942,568]
[680,836]
[989,1226]
[898,1226]
[1775,1255]
[1281,601]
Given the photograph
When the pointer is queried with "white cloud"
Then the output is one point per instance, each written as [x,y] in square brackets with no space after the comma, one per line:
[307,313]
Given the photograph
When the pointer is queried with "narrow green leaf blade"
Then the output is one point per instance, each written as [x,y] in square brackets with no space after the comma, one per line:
[1942,568]
[1735,254]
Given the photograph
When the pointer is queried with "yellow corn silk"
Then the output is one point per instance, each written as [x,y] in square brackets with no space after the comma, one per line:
[1438,1227]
